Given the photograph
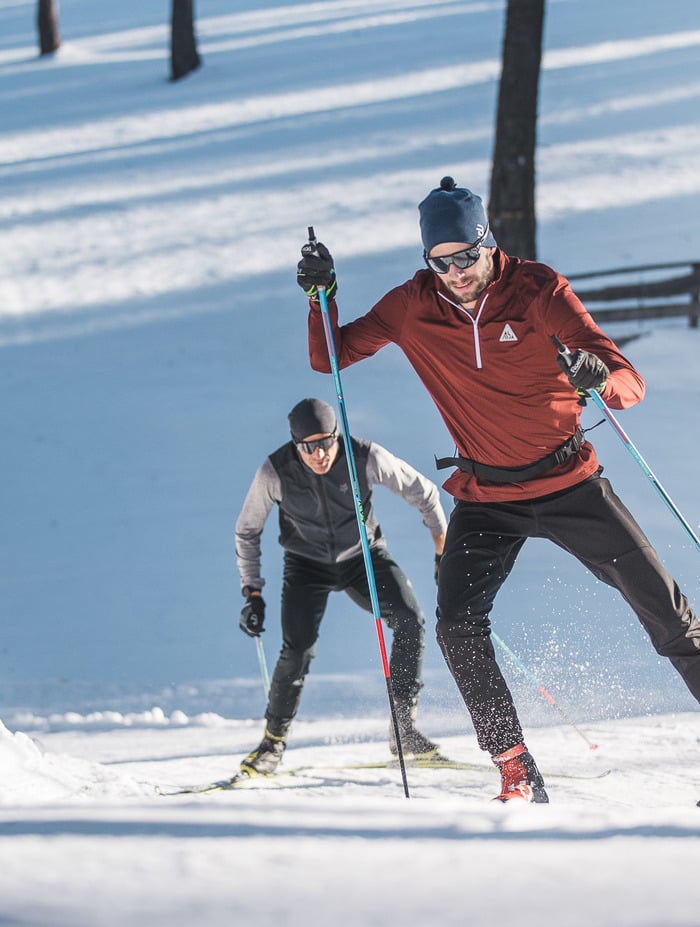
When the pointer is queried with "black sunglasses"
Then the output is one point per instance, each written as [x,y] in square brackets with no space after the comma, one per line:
[308,447]
[461,259]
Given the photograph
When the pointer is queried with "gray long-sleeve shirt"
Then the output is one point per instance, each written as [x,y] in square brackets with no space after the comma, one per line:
[317,512]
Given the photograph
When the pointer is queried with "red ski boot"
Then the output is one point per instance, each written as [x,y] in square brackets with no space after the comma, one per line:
[520,777]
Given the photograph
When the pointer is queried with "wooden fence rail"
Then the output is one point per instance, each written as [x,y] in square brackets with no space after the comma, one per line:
[646,292]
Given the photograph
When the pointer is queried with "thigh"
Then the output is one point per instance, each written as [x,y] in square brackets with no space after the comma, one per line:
[599,530]
[306,586]
[482,544]
[394,592]
[593,524]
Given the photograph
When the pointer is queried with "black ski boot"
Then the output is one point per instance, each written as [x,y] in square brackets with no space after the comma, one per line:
[412,741]
[266,757]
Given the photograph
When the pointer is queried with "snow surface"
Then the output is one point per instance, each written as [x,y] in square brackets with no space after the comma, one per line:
[152,340]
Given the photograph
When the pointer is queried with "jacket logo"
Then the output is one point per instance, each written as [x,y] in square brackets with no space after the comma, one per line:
[508,334]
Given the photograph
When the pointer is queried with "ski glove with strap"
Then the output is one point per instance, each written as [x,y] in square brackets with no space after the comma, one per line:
[584,370]
[316,269]
[253,616]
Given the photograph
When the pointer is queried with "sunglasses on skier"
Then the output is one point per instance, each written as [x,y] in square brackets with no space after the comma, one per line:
[461,259]
[308,447]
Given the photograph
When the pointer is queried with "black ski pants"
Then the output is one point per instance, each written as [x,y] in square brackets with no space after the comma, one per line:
[590,522]
[306,585]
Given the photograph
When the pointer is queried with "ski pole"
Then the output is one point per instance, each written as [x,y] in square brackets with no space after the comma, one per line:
[540,688]
[603,406]
[359,511]
[263,665]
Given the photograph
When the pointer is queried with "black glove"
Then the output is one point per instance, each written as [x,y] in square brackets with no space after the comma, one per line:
[438,558]
[316,269]
[253,616]
[584,370]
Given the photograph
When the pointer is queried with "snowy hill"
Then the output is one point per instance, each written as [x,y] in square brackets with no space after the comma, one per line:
[152,341]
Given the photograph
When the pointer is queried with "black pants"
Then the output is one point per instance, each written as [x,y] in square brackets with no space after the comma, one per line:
[589,521]
[306,586]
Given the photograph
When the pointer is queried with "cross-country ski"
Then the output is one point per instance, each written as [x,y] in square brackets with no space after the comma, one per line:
[345,772]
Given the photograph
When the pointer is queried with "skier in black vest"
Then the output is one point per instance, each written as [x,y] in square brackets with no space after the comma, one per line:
[308,479]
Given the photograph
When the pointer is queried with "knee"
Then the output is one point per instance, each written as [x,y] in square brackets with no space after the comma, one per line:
[460,610]
[297,655]
[406,621]
[455,626]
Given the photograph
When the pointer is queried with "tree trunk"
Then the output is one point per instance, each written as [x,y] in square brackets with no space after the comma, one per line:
[47,23]
[183,44]
[512,199]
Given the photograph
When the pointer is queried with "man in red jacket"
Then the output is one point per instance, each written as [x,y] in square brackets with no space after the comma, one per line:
[477,327]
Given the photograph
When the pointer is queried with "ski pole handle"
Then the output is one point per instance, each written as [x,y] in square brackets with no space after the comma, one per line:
[561,348]
[310,246]
[320,265]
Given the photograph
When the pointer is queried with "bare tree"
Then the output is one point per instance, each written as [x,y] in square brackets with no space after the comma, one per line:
[184,56]
[512,198]
[47,23]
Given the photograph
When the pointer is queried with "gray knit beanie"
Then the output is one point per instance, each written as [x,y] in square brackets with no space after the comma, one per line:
[311,417]
[452,213]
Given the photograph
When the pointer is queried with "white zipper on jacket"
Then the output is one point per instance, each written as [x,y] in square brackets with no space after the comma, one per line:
[474,319]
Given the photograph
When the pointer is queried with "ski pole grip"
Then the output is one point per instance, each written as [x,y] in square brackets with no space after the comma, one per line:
[310,246]
[562,349]
[311,249]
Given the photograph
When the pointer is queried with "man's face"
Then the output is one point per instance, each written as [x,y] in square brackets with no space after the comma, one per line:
[319,458]
[465,285]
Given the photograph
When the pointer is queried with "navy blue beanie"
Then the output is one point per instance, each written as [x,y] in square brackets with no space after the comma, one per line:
[311,417]
[452,213]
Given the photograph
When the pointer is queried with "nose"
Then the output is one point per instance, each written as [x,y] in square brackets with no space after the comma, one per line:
[454,271]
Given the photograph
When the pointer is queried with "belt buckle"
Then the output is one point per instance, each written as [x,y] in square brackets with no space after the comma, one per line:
[568,450]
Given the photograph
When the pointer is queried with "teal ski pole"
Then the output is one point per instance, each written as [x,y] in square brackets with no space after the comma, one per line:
[263,665]
[359,511]
[619,430]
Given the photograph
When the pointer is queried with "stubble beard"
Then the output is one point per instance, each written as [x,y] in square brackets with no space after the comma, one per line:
[478,283]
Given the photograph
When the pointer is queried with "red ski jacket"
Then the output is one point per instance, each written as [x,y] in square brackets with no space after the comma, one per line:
[493,374]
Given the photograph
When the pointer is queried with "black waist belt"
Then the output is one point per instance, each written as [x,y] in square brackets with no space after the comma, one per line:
[515,474]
